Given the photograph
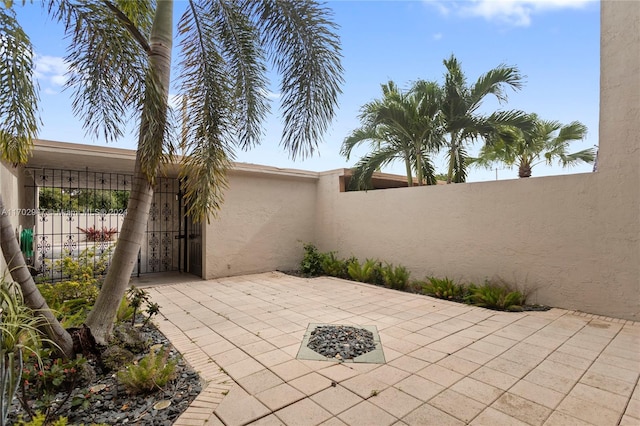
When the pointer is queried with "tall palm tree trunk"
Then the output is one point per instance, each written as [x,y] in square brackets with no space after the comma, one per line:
[452,157]
[102,316]
[407,164]
[21,275]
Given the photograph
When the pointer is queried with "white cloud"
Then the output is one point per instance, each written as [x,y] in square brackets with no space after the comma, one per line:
[51,70]
[437,36]
[511,12]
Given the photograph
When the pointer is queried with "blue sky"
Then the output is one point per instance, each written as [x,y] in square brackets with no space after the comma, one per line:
[554,43]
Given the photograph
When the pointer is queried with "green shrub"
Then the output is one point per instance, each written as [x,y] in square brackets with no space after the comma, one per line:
[44,377]
[152,372]
[311,264]
[333,266]
[395,277]
[368,272]
[496,296]
[20,336]
[444,288]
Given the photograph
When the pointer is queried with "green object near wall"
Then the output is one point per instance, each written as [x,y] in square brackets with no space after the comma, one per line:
[26,242]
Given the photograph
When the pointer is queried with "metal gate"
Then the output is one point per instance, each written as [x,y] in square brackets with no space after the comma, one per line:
[80,213]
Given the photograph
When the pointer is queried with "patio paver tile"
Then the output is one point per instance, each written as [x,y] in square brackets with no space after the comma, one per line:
[494,378]
[600,397]
[238,407]
[271,358]
[388,374]
[395,402]
[522,409]
[364,386]
[279,396]
[366,413]
[336,399]
[458,364]
[304,412]
[243,368]
[561,419]
[408,363]
[587,411]
[440,375]
[311,383]
[259,381]
[270,420]
[492,417]
[290,370]
[419,387]
[538,394]
[477,390]
[457,405]
[428,415]
[600,381]
[338,372]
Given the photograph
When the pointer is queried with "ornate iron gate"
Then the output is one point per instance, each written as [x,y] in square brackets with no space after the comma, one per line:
[80,213]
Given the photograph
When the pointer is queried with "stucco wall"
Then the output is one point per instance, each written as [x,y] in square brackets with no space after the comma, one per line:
[262,224]
[9,188]
[572,240]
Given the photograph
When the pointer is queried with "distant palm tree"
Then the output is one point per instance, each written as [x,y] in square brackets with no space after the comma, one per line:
[545,142]
[400,126]
[461,102]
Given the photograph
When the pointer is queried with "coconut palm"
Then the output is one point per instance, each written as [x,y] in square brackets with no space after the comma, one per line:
[462,121]
[546,142]
[120,58]
[400,126]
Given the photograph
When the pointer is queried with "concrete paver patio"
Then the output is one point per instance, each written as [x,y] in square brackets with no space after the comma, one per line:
[446,363]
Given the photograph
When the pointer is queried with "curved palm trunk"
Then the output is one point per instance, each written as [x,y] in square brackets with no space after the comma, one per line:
[102,316]
[20,274]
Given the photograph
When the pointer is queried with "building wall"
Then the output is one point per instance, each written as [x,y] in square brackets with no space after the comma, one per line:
[262,225]
[9,188]
[572,241]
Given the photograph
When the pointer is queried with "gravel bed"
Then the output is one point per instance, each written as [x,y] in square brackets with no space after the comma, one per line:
[341,341]
[112,405]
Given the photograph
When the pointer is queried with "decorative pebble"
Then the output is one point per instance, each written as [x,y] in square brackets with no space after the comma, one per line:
[340,341]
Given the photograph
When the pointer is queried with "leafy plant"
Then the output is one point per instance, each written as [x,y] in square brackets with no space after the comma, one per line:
[73,298]
[104,234]
[152,372]
[368,272]
[444,288]
[136,298]
[395,277]
[19,336]
[496,296]
[125,310]
[44,377]
[333,266]
[311,264]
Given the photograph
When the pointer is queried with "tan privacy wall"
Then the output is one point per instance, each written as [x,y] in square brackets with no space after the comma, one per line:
[572,240]
[266,217]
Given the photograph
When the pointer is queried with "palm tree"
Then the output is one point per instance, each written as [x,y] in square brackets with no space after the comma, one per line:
[120,56]
[461,102]
[545,142]
[400,126]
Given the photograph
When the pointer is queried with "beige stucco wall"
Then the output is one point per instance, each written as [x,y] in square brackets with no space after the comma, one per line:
[264,221]
[9,188]
[573,240]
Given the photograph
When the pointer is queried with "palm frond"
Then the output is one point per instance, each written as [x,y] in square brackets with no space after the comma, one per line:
[370,163]
[306,52]
[495,81]
[19,95]
[107,65]
[358,136]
